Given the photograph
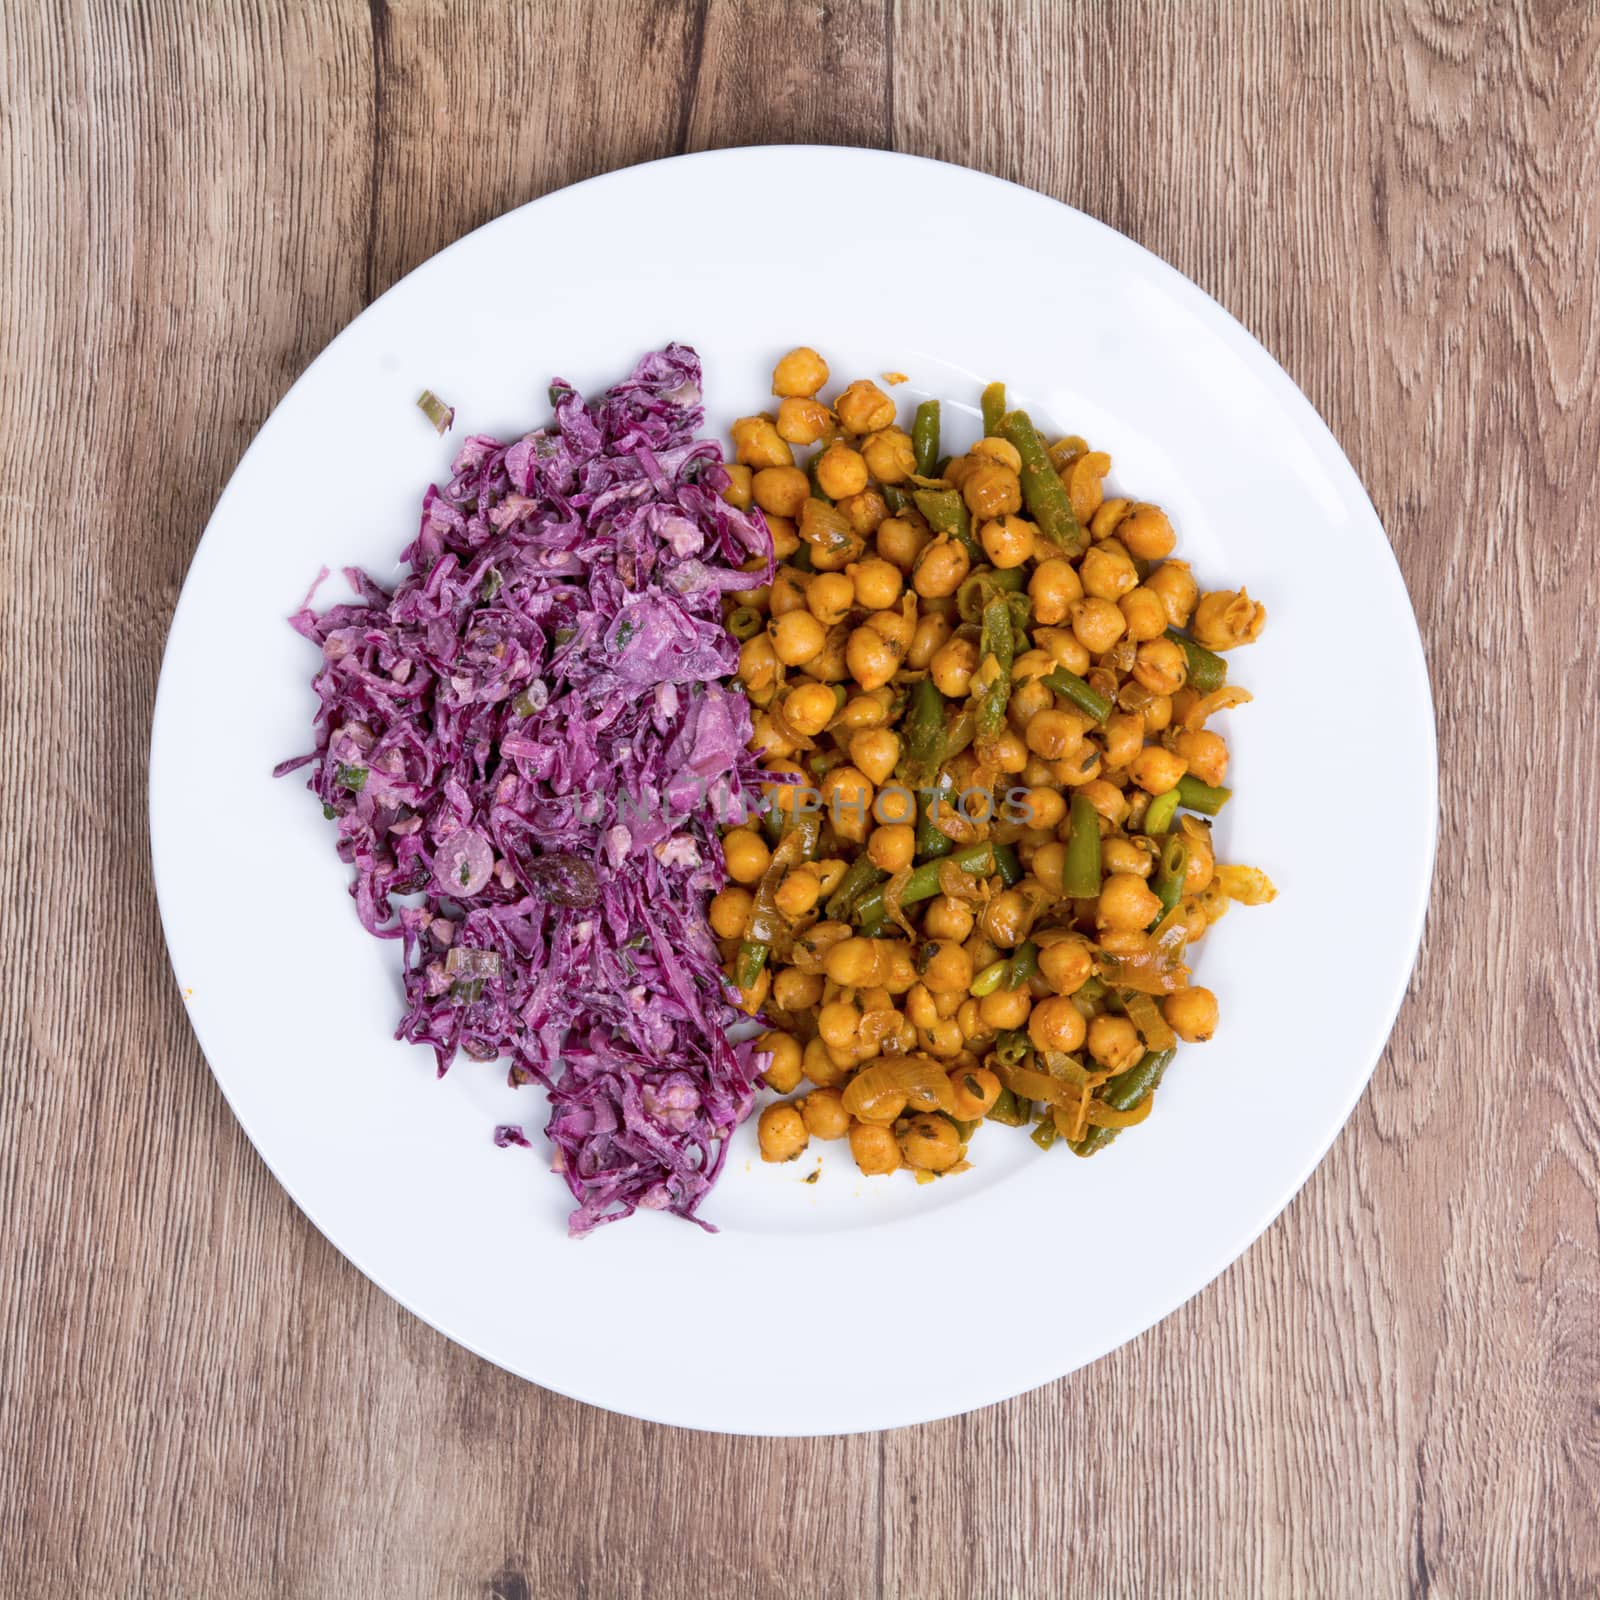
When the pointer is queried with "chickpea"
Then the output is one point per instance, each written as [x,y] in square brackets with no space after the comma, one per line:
[837,1023]
[819,1065]
[1097,624]
[1082,480]
[1075,771]
[751,1000]
[922,1010]
[829,664]
[1032,664]
[746,855]
[875,751]
[1006,919]
[953,665]
[895,805]
[877,583]
[1124,737]
[729,913]
[739,493]
[758,663]
[1195,920]
[1067,964]
[797,637]
[785,536]
[864,407]
[1048,806]
[991,448]
[946,967]
[1161,666]
[1202,866]
[901,541]
[1027,701]
[991,490]
[973,1028]
[788,591]
[781,1133]
[973,1090]
[793,990]
[869,710]
[930,635]
[931,1143]
[1062,647]
[757,444]
[1054,734]
[1104,522]
[809,709]
[782,491]
[1224,619]
[801,372]
[1191,1014]
[944,919]
[847,801]
[1206,752]
[1107,573]
[829,596]
[1126,903]
[871,658]
[892,847]
[1158,713]
[1107,799]
[834,543]
[841,471]
[889,455]
[803,420]
[875,1148]
[940,568]
[1005,1008]
[824,1114]
[1010,753]
[1008,541]
[797,895]
[1126,855]
[1143,613]
[1177,589]
[1114,1043]
[1125,942]
[1156,770]
[1049,866]
[1054,589]
[783,1071]
[943,1040]
[1056,1024]
[1147,533]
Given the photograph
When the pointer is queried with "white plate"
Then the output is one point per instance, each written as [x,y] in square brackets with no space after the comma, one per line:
[845,1304]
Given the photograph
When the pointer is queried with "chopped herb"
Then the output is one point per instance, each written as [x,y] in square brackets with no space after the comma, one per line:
[329,812]
[565,635]
[491,584]
[352,778]
[625,631]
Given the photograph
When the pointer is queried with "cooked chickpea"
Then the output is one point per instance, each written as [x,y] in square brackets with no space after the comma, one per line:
[783,1071]
[871,658]
[829,597]
[829,665]
[1224,619]
[746,855]
[802,420]
[1097,624]
[864,407]
[946,967]
[1049,866]
[739,493]
[1054,734]
[782,491]
[875,1148]
[1074,771]
[889,455]
[877,582]
[1054,589]
[824,1114]
[819,1065]
[797,637]
[1104,522]
[931,633]
[1061,646]
[1107,799]
[1124,737]
[1027,701]
[1156,769]
[952,666]
[1161,666]
[1048,807]
[1005,1008]
[901,541]
[1006,919]
[931,1143]
[758,663]
[801,372]
[1067,964]
[757,444]
[810,708]
[847,801]
[1009,752]
[797,894]
[940,569]
[1191,1014]
[1107,573]
[793,990]
[1126,855]
[1126,903]
[944,919]
[838,1022]
[1008,541]
[1055,1023]
[1157,714]
[1144,613]
[991,490]
[1173,582]
[785,536]
[1206,752]
[991,448]
[1202,864]
[841,471]
[973,1090]
[892,846]
[1147,533]
[875,751]
[729,913]
[788,592]
[870,710]
[781,1133]
[1082,478]
[1114,1043]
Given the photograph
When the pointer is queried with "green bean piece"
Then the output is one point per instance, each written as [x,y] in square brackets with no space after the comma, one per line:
[859,876]
[745,622]
[931,843]
[978,588]
[946,512]
[979,859]
[1090,997]
[1007,1110]
[1159,813]
[894,497]
[817,492]
[1011,1045]
[994,408]
[1006,866]
[1207,670]
[988,980]
[751,959]
[959,731]
[1203,797]
[1123,1093]
[923,739]
[1021,965]
[1044,1134]
[995,641]
[1080,876]
[799,835]
[925,437]
[1087,700]
[1043,492]
[1169,874]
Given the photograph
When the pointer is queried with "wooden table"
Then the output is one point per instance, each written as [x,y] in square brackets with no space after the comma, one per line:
[1396,1391]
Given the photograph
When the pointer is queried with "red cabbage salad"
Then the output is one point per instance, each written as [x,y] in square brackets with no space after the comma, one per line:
[527,747]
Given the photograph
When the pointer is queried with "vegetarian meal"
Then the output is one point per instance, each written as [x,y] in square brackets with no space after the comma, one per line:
[982,689]
[525,744]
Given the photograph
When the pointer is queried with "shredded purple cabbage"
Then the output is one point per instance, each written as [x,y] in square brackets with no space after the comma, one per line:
[531,734]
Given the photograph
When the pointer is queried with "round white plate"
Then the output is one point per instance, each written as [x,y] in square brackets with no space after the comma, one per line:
[914,1301]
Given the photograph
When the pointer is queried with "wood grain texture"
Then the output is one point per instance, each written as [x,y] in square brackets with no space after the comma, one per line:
[1395,1392]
